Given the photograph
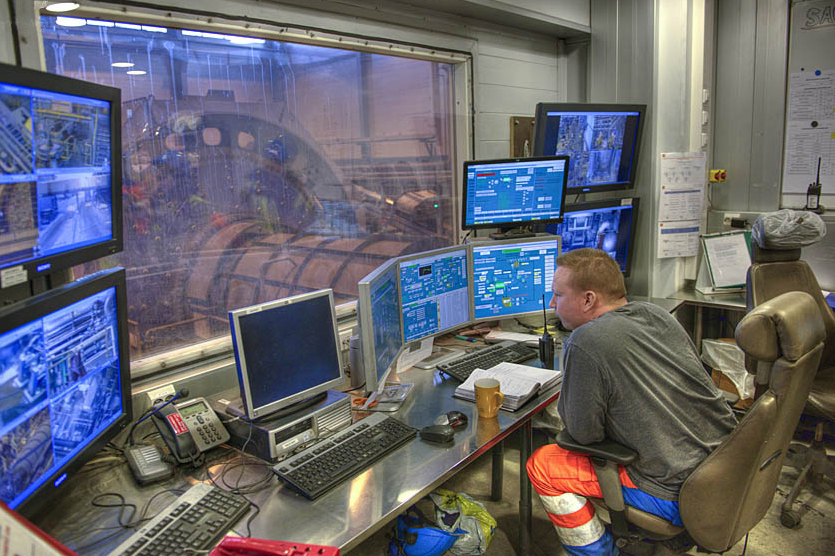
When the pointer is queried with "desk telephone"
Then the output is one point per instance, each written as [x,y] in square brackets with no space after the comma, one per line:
[190,428]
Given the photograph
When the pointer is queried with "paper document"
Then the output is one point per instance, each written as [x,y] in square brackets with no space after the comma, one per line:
[682,186]
[678,239]
[728,258]
[519,383]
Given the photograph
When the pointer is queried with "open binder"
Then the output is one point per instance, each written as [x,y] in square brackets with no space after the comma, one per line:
[724,261]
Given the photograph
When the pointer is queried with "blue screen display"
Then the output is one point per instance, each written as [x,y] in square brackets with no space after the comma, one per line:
[600,144]
[605,228]
[59,388]
[514,191]
[54,173]
[511,278]
[434,294]
[385,319]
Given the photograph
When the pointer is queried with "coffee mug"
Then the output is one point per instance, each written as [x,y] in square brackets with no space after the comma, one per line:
[488,399]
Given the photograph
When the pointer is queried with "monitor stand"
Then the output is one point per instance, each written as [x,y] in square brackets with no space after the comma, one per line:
[512,233]
[439,355]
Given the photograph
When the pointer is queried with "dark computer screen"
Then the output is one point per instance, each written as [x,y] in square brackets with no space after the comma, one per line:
[64,384]
[379,317]
[434,292]
[602,141]
[286,350]
[607,225]
[513,191]
[511,277]
[60,171]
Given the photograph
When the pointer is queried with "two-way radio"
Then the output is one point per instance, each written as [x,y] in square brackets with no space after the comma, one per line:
[546,342]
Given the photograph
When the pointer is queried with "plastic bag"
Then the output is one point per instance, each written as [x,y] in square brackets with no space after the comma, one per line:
[788,229]
[456,510]
[730,359]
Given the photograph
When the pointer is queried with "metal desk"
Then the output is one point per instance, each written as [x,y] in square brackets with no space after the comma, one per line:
[351,512]
[727,301]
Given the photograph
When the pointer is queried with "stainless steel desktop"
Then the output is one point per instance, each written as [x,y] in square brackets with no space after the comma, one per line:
[351,512]
[726,301]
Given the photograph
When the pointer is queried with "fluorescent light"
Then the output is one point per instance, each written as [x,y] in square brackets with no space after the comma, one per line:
[129,26]
[70,21]
[244,40]
[100,23]
[60,7]
[136,72]
[153,29]
[122,64]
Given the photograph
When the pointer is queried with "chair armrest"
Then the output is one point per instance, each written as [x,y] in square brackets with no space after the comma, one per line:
[607,449]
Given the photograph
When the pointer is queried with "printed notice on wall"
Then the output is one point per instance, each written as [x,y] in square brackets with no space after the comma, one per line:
[810,130]
[678,239]
[682,186]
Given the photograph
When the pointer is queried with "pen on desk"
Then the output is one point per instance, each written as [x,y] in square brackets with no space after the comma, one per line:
[465,338]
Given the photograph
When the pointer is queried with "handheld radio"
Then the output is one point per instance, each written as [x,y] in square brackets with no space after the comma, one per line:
[546,342]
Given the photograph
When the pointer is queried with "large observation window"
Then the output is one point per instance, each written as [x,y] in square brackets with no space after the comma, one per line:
[257,169]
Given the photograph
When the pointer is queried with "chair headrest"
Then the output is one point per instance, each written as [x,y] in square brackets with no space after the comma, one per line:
[763,255]
[789,325]
[787,229]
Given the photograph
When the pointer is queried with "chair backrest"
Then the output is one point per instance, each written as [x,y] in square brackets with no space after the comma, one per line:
[773,272]
[732,489]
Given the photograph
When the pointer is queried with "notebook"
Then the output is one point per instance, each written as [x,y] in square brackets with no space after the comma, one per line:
[519,383]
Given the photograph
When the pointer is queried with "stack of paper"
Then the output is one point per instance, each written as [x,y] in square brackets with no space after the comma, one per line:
[519,383]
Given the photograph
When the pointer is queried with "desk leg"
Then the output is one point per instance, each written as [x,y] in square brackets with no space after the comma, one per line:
[697,329]
[497,468]
[525,508]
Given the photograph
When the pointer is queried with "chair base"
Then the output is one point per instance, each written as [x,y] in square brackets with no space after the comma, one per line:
[814,465]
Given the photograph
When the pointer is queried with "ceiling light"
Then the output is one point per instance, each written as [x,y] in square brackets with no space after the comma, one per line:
[245,40]
[122,64]
[59,7]
[136,72]
[70,21]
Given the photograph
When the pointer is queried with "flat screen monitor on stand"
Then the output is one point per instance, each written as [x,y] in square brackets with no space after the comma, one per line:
[511,277]
[288,354]
[434,298]
[608,225]
[381,336]
[65,385]
[513,194]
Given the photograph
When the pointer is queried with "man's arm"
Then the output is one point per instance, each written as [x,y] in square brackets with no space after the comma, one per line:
[582,402]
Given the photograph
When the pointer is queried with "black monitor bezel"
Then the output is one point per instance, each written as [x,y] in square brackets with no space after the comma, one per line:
[24,77]
[468,163]
[36,307]
[542,110]
[615,203]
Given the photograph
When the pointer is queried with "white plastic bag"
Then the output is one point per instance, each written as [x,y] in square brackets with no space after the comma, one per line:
[730,359]
[456,510]
[788,229]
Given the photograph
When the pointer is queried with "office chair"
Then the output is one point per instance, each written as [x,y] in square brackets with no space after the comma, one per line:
[732,489]
[772,273]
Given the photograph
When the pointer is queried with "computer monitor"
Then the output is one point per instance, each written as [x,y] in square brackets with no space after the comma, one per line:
[607,225]
[434,292]
[511,277]
[64,385]
[602,140]
[287,352]
[60,172]
[513,191]
[381,336]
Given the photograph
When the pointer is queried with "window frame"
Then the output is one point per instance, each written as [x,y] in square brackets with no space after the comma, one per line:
[463,116]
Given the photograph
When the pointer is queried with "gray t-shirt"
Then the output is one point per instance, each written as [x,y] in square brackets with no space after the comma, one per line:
[634,376]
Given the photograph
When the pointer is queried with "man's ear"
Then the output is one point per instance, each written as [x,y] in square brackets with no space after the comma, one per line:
[589,300]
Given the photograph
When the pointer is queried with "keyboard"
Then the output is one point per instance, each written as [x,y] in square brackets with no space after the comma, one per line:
[337,458]
[194,522]
[508,351]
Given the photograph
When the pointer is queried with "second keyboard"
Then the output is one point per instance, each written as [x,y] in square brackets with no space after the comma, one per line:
[503,352]
[327,463]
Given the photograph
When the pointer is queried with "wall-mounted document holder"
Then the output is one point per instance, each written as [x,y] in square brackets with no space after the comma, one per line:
[724,262]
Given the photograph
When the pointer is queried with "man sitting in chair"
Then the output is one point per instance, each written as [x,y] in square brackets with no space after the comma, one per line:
[632,375]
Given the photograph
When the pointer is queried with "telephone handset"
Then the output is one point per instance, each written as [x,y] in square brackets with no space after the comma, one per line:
[190,428]
[237,546]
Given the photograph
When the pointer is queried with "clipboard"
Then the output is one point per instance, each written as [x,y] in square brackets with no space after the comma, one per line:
[725,258]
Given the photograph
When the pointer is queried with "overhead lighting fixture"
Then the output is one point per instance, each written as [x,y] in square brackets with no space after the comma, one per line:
[122,64]
[245,40]
[136,72]
[70,21]
[60,7]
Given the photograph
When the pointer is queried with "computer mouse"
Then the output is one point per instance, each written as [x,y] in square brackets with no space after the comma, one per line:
[454,419]
[437,433]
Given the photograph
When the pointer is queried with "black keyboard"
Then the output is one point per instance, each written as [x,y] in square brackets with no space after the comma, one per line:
[507,351]
[328,463]
[194,522]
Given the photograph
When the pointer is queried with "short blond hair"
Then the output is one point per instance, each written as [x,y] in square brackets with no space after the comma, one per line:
[594,270]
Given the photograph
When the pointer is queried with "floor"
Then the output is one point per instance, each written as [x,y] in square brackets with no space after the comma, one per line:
[814,537]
